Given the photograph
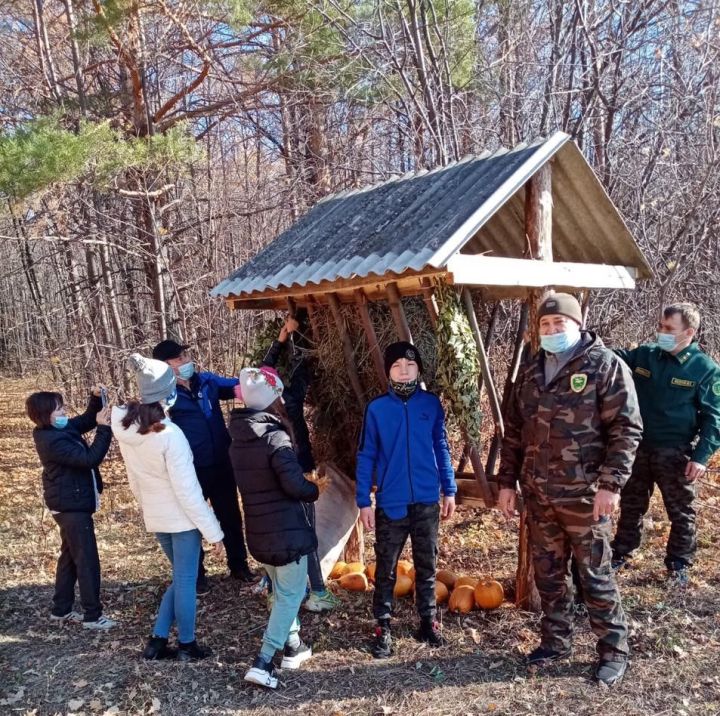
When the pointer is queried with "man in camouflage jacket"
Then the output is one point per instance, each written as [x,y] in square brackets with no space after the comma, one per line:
[571,432]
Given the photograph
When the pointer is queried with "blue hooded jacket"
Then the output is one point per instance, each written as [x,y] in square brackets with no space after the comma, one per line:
[404,451]
[197,413]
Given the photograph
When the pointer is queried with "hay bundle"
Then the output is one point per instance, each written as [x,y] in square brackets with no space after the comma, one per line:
[333,413]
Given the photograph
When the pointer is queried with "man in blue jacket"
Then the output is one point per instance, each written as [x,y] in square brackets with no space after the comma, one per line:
[404,453]
[197,413]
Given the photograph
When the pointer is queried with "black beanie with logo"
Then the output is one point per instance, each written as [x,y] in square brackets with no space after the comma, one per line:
[401,349]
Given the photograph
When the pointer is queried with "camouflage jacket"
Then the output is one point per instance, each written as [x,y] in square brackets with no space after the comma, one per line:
[579,433]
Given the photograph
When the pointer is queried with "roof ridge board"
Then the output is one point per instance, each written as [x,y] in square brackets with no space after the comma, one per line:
[541,154]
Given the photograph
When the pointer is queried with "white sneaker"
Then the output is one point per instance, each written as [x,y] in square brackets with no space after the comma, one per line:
[262,673]
[102,624]
[293,657]
[74,617]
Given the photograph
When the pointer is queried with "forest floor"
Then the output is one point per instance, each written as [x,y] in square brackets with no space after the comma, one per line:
[61,669]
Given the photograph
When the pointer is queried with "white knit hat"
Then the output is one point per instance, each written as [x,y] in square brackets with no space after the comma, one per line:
[155,378]
[260,387]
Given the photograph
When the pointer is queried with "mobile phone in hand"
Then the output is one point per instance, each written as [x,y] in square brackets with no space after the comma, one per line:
[104,397]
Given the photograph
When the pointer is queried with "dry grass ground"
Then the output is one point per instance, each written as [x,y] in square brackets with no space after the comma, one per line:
[51,669]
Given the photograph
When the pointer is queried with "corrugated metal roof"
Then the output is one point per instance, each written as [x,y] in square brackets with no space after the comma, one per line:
[420,220]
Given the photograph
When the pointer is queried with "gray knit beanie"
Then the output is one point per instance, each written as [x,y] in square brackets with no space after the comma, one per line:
[155,378]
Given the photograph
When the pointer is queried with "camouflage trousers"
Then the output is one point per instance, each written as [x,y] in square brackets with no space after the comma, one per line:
[421,525]
[664,467]
[558,531]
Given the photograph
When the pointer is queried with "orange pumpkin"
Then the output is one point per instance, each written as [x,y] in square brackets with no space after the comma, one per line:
[411,573]
[441,593]
[354,582]
[403,586]
[447,577]
[370,571]
[338,570]
[462,599]
[467,582]
[354,568]
[404,566]
[489,594]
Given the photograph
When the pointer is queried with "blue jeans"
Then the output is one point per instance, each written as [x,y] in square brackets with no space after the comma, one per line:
[289,591]
[178,602]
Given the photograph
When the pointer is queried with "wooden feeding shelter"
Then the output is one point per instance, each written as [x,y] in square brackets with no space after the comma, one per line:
[505,224]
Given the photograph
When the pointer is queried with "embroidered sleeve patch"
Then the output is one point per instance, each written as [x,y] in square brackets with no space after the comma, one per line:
[682,383]
[643,372]
[578,381]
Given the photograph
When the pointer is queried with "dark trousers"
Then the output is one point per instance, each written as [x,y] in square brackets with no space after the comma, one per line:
[664,467]
[78,562]
[219,486]
[557,531]
[421,524]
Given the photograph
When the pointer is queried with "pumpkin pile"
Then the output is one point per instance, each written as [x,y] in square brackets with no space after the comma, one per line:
[462,594]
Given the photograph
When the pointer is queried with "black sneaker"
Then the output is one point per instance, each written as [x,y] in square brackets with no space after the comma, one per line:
[611,668]
[381,647]
[542,656]
[429,632]
[617,564]
[202,586]
[293,657]
[244,574]
[262,673]
[157,649]
[192,651]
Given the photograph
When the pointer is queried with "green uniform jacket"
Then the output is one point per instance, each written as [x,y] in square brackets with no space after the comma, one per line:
[679,398]
[578,433]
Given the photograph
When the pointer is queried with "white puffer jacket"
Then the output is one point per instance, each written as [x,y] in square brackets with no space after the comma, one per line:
[162,477]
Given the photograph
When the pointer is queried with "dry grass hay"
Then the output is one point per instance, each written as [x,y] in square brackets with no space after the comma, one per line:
[489,594]
[354,568]
[354,582]
[338,570]
[403,586]
[467,582]
[447,577]
[441,593]
[462,599]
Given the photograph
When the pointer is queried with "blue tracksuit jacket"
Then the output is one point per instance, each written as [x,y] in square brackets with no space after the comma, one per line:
[404,451]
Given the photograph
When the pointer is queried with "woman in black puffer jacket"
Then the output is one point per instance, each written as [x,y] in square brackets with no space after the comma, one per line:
[277,525]
[71,487]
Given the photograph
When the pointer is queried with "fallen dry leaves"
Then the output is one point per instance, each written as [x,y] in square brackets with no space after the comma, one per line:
[51,669]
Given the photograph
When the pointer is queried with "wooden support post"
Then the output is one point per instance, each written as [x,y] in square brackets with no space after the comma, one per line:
[428,292]
[484,364]
[495,445]
[538,229]
[347,349]
[371,336]
[398,313]
[312,315]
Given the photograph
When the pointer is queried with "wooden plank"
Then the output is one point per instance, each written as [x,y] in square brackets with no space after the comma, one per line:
[398,313]
[484,363]
[428,294]
[409,283]
[371,336]
[480,270]
[348,351]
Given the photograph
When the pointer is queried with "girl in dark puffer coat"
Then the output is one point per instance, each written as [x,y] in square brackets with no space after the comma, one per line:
[275,494]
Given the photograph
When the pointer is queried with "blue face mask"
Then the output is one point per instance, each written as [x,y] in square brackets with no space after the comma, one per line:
[60,422]
[666,341]
[186,370]
[559,342]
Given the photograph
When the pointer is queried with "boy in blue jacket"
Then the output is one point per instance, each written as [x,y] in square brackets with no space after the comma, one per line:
[404,453]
